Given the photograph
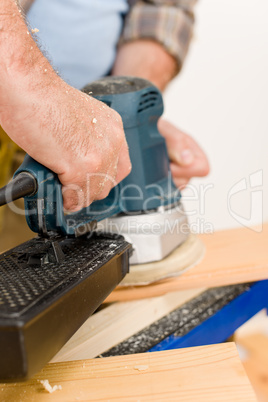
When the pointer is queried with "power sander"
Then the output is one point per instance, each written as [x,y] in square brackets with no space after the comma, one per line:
[52,283]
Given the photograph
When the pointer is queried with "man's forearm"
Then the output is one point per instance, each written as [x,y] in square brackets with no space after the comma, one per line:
[23,65]
[168,25]
[19,52]
[146,59]
[27,78]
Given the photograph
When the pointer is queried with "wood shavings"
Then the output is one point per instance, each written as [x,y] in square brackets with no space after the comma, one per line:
[94,120]
[49,388]
[141,367]
[35,30]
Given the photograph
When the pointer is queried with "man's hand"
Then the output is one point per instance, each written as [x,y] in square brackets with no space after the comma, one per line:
[94,151]
[187,158]
[77,137]
[73,134]
[90,140]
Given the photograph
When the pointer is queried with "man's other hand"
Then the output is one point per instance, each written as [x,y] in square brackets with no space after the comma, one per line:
[187,158]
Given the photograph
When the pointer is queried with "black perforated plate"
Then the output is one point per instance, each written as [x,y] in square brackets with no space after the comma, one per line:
[42,306]
[23,286]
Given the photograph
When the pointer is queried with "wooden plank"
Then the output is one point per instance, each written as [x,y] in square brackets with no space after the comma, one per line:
[118,322]
[206,373]
[256,361]
[232,256]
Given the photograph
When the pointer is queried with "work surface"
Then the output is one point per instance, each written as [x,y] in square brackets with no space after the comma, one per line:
[232,256]
[206,373]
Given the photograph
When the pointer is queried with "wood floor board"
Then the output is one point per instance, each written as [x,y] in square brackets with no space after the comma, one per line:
[206,373]
[119,321]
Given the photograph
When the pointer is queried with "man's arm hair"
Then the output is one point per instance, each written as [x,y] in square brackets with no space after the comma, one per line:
[19,52]
[25,4]
[26,75]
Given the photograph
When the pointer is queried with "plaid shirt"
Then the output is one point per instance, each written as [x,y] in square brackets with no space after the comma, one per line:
[169,22]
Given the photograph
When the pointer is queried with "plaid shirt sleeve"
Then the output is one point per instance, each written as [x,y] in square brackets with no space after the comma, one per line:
[169,22]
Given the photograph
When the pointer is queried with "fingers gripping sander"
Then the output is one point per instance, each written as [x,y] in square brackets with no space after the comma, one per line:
[51,284]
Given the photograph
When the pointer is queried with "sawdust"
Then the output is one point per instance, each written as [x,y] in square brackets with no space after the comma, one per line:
[141,367]
[49,388]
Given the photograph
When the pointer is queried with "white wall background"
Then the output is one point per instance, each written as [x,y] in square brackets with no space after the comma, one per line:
[221,98]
